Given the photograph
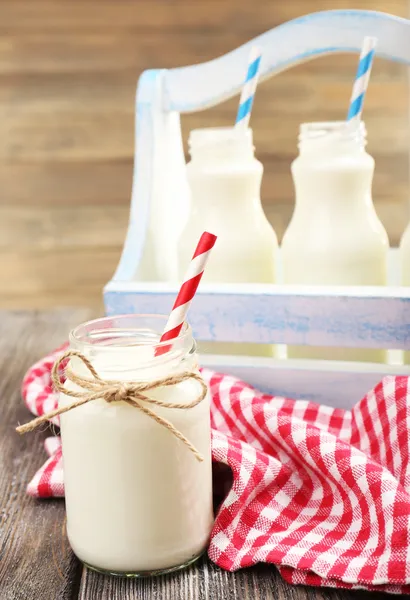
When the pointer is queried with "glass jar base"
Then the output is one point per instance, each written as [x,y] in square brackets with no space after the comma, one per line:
[152,573]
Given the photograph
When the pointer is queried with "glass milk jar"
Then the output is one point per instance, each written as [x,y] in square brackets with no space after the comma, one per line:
[224,179]
[138,500]
[335,236]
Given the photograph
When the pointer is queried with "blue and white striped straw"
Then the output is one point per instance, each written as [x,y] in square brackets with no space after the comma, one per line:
[249,89]
[362,79]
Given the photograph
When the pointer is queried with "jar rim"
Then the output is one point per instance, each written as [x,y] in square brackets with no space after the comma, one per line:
[97,332]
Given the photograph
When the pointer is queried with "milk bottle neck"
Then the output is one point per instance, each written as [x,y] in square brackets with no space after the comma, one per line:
[334,138]
[223,173]
[333,172]
[221,146]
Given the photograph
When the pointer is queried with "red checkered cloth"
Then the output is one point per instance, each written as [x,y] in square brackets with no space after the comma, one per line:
[322,493]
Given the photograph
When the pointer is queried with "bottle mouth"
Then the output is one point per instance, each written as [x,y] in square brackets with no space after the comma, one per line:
[214,137]
[333,130]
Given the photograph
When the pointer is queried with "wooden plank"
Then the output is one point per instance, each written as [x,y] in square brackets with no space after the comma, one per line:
[114,92]
[63,227]
[127,53]
[104,184]
[205,581]
[37,243]
[332,383]
[45,299]
[42,197]
[70,136]
[64,277]
[76,136]
[89,15]
[111,91]
[36,561]
[87,52]
[29,237]
[67,183]
[64,15]
[363,317]
[64,269]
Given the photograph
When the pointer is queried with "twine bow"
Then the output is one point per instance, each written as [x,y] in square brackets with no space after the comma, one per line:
[131,392]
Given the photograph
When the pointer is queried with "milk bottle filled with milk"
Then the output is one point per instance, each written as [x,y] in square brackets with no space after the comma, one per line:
[335,236]
[224,178]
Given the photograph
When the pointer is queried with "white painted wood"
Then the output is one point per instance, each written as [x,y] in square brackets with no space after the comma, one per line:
[364,317]
[337,384]
[160,195]
[328,32]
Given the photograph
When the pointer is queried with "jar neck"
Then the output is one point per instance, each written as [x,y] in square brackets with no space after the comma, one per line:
[124,348]
[332,138]
[221,145]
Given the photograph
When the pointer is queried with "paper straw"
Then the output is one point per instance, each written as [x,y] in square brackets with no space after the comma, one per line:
[249,89]
[187,291]
[362,79]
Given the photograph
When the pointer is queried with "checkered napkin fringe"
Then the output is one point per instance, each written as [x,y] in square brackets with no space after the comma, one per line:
[322,493]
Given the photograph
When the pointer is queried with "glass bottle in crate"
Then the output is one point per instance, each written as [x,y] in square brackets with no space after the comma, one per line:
[335,236]
[225,178]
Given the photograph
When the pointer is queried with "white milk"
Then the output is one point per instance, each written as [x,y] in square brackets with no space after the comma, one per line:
[335,236]
[225,178]
[137,499]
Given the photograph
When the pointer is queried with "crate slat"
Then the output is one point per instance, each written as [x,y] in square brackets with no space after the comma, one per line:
[362,317]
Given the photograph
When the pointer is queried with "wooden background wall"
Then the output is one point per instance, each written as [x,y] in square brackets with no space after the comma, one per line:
[68,71]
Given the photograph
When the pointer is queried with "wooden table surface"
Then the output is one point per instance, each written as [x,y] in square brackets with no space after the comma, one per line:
[36,562]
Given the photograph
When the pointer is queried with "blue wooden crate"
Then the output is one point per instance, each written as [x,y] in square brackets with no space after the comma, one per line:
[146,278]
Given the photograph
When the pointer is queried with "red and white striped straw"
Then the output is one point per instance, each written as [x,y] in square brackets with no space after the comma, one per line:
[187,291]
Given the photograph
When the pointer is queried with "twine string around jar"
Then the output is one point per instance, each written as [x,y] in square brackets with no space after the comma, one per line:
[131,392]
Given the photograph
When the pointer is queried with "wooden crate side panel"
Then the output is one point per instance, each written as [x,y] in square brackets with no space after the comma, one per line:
[377,318]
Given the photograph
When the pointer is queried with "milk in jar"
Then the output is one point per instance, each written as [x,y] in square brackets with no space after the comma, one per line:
[224,179]
[138,501]
[334,237]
